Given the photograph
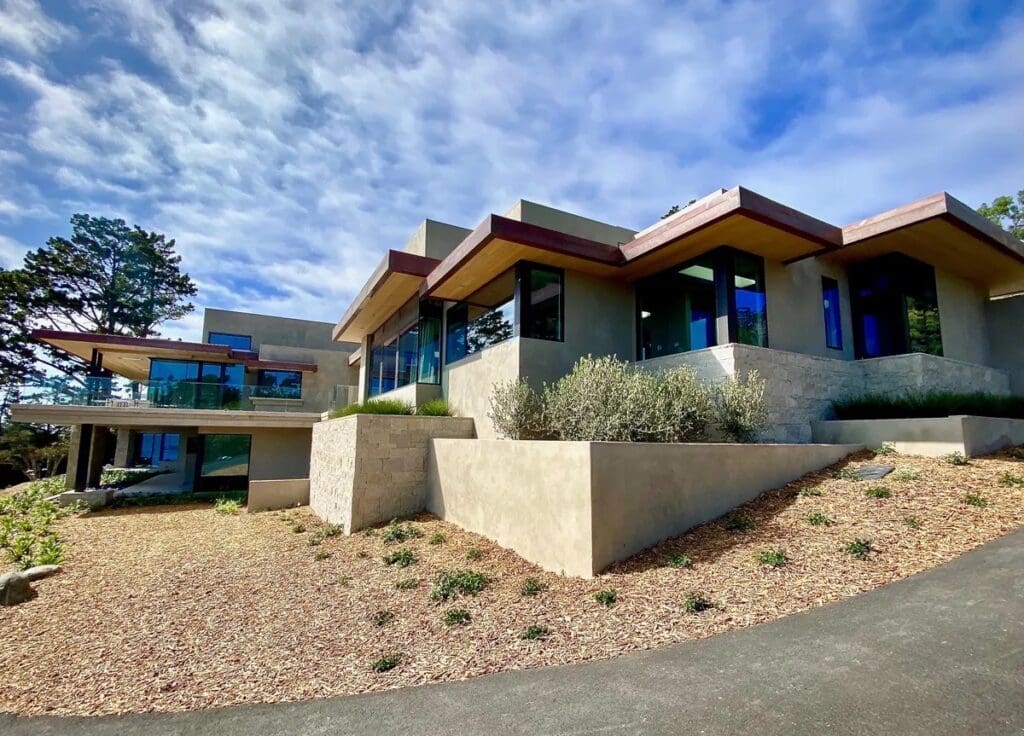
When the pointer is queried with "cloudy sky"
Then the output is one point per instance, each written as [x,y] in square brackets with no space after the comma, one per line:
[287,145]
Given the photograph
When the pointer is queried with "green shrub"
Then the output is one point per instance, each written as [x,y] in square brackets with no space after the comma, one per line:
[456,617]
[817,518]
[386,663]
[535,631]
[531,587]
[912,522]
[1009,479]
[324,532]
[298,528]
[929,404]
[436,538]
[344,580]
[123,477]
[810,491]
[227,506]
[696,602]
[973,499]
[740,409]
[887,448]
[845,473]
[737,523]
[689,405]
[434,408]
[50,551]
[396,532]
[321,555]
[773,557]
[859,548]
[408,583]
[474,554]
[957,458]
[374,406]
[401,557]
[27,521]
[607,597]
[457,582]
[878,492]
[517,411]
[679,560]
[381,618]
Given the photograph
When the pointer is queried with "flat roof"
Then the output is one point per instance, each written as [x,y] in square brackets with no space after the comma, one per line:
[130,356]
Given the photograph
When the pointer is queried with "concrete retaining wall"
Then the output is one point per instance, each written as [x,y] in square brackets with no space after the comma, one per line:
[267,495]
[932,437]
[366,468]
[576,507]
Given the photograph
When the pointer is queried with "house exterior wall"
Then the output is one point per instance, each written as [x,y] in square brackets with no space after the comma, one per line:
[468,383]
[962,319]
[1004,318]
[273,330]
[278,454]
[796,316]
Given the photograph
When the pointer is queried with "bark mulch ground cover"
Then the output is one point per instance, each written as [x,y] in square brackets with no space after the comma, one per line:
[180,608]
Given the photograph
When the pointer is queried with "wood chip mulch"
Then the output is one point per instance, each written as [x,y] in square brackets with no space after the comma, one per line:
[180,608]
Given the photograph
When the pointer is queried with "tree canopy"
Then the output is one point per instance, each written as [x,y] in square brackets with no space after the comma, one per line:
[106,278]
[1007,213]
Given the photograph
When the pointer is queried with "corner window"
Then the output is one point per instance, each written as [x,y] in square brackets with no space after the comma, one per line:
[833,317]
[541,290]
[280,384]
[714,299]
[408,354]
[895,307]
[429,359]
[235,342]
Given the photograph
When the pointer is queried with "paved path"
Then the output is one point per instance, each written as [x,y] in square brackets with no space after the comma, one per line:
[940,653]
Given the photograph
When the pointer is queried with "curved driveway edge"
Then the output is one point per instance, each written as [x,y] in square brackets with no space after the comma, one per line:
[938,653]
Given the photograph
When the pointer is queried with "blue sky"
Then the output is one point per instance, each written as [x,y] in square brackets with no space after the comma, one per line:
[287,145]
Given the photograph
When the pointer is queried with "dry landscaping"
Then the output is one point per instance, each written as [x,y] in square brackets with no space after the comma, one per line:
[167,608]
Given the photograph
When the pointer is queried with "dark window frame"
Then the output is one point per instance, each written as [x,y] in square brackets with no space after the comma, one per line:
[522,304]
[210,341]
[831,285]
[220,482]
[263,371]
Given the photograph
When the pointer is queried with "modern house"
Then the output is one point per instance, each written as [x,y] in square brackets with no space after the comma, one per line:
[921,297]
[238,406]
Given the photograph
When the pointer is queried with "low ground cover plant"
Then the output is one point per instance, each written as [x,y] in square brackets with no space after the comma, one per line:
[402,557]
[976,500]
[227,506]
[607,597]
[381,618]
[531,587]
[456,617]
[535,631]
[736,522]
[957,458]
[679,560]
[878,492]
[457,582]
[609,400]
[1009,479]
[912,521]
[397,531]
[773,558]
[696,602]
[177,499]
[374,406]
[859,548]
[386,663]
[27,520]
[929,404]
[408,583]
[817,518]
[904,475]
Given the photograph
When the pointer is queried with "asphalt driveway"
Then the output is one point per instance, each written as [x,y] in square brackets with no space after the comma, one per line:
[939,653]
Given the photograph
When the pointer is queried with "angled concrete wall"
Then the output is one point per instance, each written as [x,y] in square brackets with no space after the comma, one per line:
[577,507]
[931,437]
[268,495]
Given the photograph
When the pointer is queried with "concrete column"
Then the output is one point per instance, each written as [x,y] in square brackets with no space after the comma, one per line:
[78,456]
[74,441]
[123,449]
[97,454]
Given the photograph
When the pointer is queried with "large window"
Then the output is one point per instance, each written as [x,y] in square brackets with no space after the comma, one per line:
[195,384]
[429,360]
[155,447]
[486,318]
[833,317]
[895,307]
[235,342]
[224,462]
[280,384]
[408,354]
[541,289]
[382,367]
[716,298]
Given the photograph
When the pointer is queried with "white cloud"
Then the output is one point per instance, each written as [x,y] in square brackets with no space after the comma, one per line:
[11,252]
[24,27]
[286,146]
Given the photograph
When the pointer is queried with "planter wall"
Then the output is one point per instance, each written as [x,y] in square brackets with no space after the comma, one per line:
[368,468]
[936,437]
[269,495]
[577,507]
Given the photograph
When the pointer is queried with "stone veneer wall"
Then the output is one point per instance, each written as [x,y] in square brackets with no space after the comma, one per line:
[800,388]
[369,468]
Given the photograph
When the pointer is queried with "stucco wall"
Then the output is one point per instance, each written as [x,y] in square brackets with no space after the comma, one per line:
[468,382]
[566,222]
[332,369]
[366,469]
[266,495]
[278,454]
[1004,318]
[413,394]
[796,315]
[962,319]
[576,507]
[273,330]
[932,437]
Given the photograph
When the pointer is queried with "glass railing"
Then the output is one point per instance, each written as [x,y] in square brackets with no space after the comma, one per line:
[118,392]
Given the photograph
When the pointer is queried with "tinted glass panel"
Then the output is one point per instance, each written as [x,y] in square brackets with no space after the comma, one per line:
[430,342]
[895,307]
[455,340]
[236,342]
[485,318]
[225,455]
[173,382]
[833,317]
[280,384]
[408,350]
[677,310]
[542,312]
[749,300]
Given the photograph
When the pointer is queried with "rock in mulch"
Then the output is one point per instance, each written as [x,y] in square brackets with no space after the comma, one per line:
[15,588]
[873,472]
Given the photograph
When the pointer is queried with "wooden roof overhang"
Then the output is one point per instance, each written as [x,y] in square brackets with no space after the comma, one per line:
[396,280]
[738,217]
[498,243]
[946,233]
[130,356]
